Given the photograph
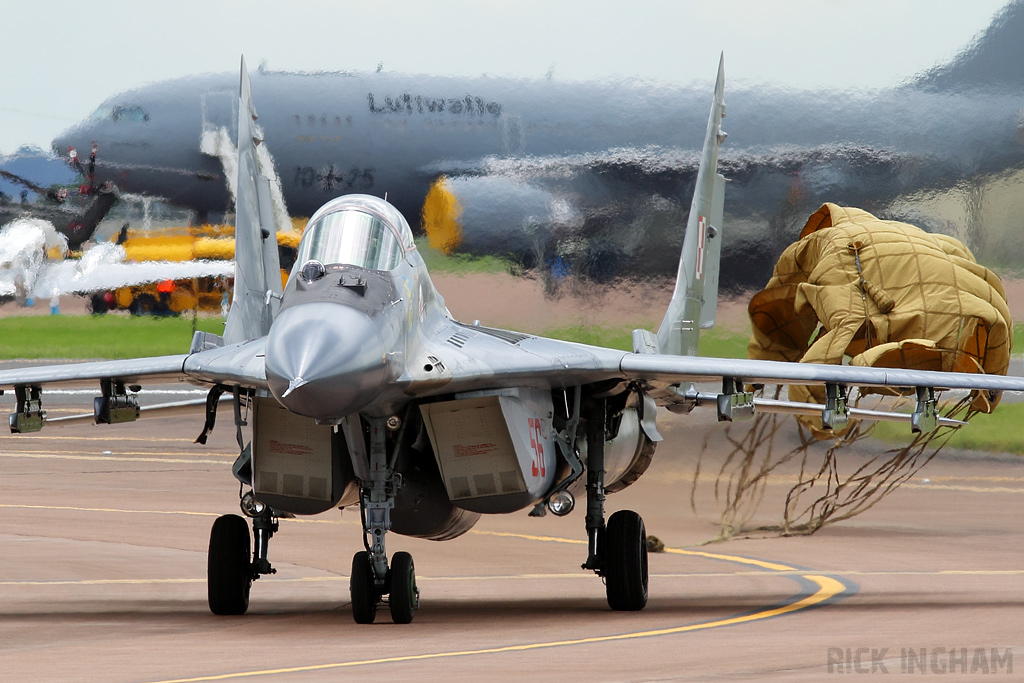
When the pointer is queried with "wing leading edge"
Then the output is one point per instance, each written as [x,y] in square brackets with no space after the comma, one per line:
[539,361]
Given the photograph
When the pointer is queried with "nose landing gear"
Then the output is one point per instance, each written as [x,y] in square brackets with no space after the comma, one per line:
[403,597]
[371,577]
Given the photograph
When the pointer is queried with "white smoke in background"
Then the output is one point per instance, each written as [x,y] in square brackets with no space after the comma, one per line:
[103,267]
[217,142]
[24,243]
[26,273]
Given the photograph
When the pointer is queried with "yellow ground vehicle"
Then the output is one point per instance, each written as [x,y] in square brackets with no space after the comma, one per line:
[207,242]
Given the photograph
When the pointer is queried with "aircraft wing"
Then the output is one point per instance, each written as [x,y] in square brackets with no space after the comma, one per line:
[209,363]
[670,370]
[234,365]
[156,368]
[475,357]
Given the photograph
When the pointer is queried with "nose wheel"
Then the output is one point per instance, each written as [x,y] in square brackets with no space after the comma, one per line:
[405,597]
[363,589]
[399,584]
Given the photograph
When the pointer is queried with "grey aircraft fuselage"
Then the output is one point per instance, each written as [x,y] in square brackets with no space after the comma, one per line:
[368,338]
[541,166]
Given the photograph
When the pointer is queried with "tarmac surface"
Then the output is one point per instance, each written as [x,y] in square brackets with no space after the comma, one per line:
[104,558]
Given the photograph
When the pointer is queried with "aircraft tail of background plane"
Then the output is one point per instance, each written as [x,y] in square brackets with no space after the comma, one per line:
[695,298]
[257,290]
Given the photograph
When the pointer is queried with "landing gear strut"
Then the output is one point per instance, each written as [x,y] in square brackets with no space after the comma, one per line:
[371,578]
[617,551]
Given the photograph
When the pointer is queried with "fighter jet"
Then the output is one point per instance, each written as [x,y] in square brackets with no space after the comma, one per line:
[361,389]
[586,177]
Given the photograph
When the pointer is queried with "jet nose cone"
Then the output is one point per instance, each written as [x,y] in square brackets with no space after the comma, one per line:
[325,360]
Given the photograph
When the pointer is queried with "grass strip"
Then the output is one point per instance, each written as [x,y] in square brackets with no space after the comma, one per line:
[998,432]
[95,336]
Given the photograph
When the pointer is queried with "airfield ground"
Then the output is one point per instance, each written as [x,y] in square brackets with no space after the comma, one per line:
[104,551]
[104,555]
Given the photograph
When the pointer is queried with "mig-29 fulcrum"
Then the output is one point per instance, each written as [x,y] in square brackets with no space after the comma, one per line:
[363,390]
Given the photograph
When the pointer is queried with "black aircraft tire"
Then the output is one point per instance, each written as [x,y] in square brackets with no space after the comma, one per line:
[228,566]
[625,561]
[362,589]
[403,588]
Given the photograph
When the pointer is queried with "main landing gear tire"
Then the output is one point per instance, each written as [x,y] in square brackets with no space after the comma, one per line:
[625,567]
[404,598]
[361,587]
[229,566]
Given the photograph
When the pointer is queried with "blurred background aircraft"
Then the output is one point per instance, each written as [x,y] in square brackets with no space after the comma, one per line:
[584,175]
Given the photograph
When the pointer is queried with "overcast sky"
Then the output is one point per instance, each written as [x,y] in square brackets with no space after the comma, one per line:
[62,58]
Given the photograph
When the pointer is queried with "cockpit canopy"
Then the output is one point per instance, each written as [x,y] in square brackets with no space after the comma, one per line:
[121,112]
[356,230]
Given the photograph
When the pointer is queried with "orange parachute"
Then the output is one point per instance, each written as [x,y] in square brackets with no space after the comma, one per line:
[884,294]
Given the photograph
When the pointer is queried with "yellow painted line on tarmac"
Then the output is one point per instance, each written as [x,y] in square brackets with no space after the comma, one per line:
[676,551]
[528,537]
[771,566]
[48,437]
[828,588]
[285,520]
[938,572]
[60,454]
[69,508]
[99,582]
[970,489]
[144,456]
[686,477]
[342,578]
[952,477]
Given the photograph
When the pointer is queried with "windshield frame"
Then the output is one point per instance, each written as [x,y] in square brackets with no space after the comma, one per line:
[354,235]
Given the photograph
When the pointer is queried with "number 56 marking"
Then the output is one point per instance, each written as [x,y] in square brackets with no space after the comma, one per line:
[537,444]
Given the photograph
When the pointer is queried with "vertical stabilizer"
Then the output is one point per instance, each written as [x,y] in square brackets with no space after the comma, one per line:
[257,266]
[695,297]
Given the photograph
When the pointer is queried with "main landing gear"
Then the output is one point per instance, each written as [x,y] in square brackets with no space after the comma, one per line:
[371,577]
[617,551]
[230,569]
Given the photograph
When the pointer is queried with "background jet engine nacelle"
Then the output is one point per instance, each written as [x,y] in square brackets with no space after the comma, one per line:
[491,215]
[495,450]
[299,466]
